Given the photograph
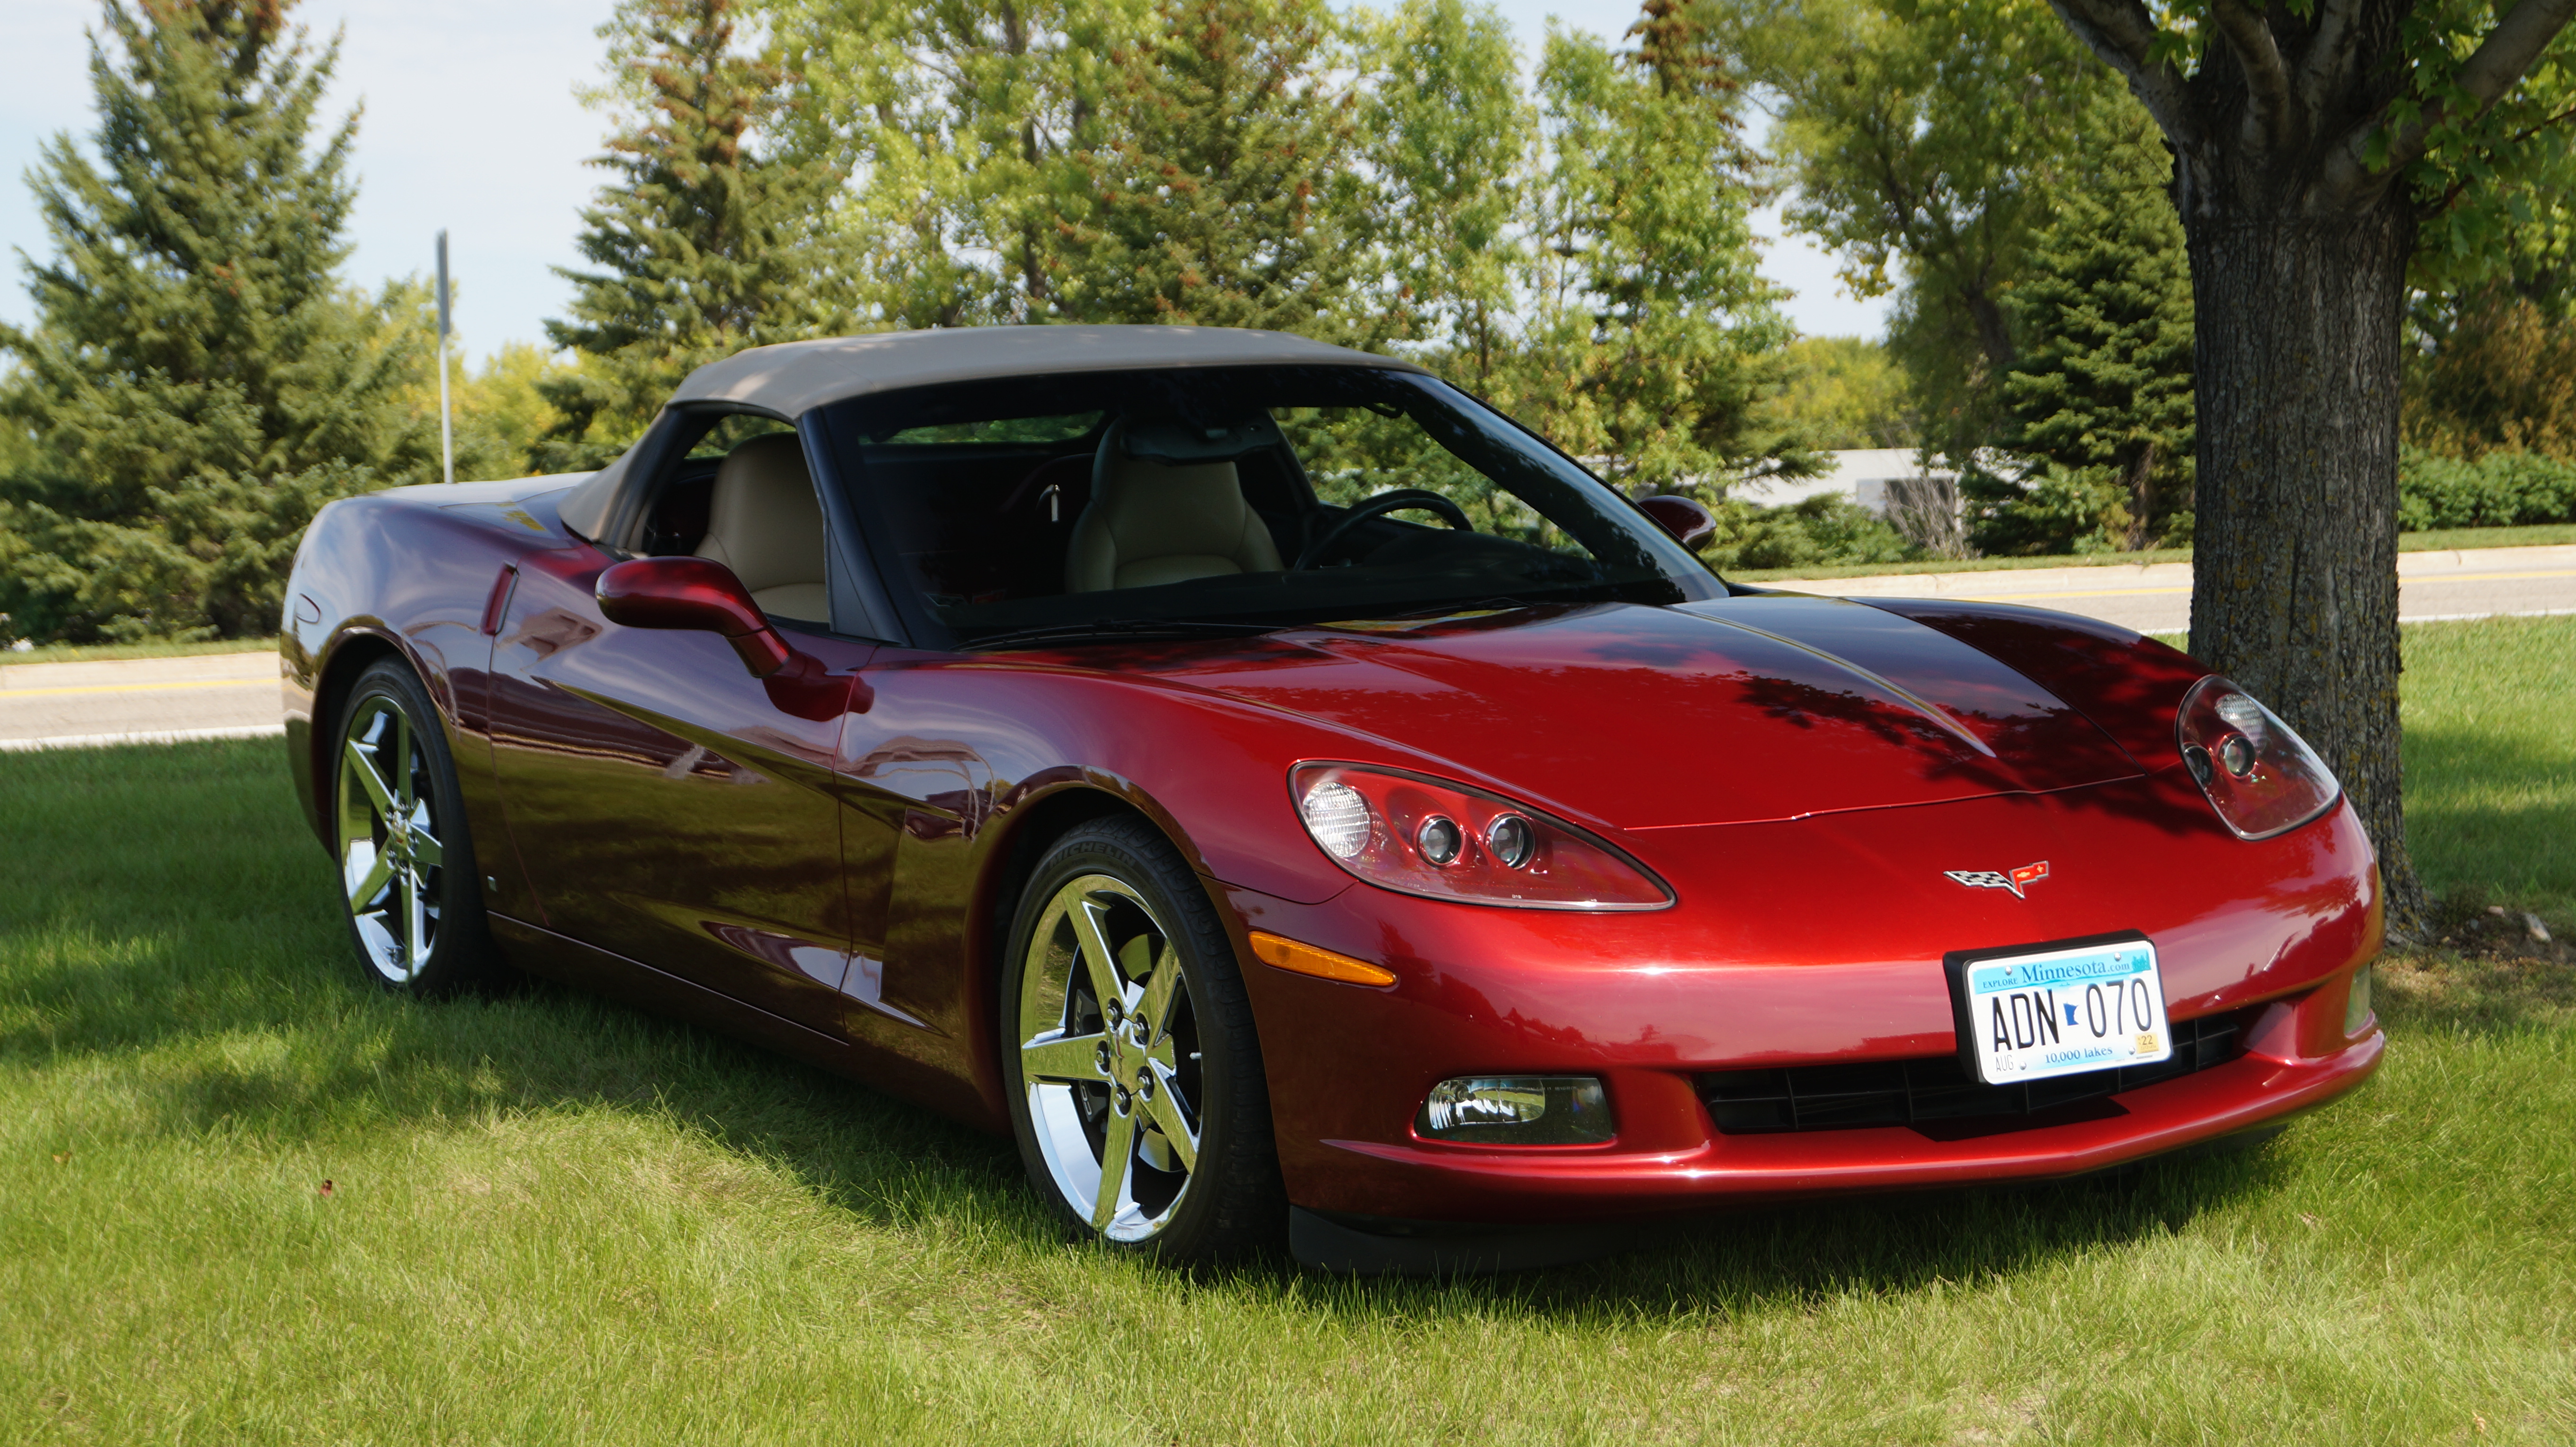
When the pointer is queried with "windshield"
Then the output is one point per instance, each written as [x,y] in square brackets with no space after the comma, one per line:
[1118,503]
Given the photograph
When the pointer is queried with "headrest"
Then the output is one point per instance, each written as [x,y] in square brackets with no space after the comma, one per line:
[764,521]
[766,466]
[1175,441]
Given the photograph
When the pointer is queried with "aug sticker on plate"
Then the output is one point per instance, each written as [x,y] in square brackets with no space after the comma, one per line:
[2063,1012]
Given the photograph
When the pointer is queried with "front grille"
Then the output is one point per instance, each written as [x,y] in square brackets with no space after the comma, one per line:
[1939,1088]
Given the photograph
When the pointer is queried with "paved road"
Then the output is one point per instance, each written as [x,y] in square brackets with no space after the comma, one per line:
[142,700]
[234,695]
[2156,598]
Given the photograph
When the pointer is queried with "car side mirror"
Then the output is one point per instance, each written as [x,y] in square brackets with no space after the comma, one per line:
[696,595]
[1683,518]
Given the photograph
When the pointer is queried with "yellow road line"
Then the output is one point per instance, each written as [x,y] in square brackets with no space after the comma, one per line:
[2428,579]
[2097,593]
[138,687]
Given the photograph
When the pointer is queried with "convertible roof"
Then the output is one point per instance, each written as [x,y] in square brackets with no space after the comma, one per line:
[792,378]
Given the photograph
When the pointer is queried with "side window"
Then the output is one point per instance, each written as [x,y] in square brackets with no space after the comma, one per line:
[731,432]
[676,520]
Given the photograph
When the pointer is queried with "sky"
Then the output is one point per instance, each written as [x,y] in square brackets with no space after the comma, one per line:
[470,123]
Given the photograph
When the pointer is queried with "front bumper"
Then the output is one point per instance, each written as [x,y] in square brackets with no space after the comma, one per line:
[2271,933]
[1429,1181]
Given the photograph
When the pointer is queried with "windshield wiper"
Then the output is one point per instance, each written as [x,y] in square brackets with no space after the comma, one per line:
[1107,628]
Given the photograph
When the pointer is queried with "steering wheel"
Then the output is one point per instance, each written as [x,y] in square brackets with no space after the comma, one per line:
[1394,500]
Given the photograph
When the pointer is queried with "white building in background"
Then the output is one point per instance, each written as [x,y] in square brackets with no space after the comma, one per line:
[1862,475]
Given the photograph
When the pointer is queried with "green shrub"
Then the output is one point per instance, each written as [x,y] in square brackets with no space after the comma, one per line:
[1821,531]
[2498,490]
[2049,511]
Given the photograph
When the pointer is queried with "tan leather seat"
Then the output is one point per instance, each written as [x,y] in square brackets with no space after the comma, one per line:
[1150,522]
[764,523]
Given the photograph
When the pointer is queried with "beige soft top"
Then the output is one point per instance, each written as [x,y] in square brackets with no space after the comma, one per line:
[793,378]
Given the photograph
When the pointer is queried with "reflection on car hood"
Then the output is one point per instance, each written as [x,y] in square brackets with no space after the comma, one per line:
[1740,709]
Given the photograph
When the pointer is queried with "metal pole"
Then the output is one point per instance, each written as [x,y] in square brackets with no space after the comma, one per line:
[446,421]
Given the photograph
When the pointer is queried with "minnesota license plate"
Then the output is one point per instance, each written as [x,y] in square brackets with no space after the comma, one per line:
[2063,1012]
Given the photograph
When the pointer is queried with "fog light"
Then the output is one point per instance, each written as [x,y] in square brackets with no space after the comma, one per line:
[1518,1110]
[2356,1005]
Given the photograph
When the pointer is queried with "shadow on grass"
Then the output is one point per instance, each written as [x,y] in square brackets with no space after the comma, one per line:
[218,985]
[2470,996]
[2495,811]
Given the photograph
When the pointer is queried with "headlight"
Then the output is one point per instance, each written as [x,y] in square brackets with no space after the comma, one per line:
[2262,778]
[1440,840]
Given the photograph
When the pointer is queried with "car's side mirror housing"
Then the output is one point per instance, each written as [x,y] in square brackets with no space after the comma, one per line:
[1683,518]
[693,594]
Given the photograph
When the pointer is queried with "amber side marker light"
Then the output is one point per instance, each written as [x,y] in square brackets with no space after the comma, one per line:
[1305,959]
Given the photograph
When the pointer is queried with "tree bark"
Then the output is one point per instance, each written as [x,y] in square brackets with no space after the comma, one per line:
[2294,582]
[2141,480]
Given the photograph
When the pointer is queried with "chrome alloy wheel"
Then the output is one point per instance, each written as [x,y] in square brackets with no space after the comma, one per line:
[1109,1056]
[390,855]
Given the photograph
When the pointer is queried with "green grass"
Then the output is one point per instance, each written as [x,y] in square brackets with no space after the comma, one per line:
[556,1220]
[102,652]
[2491,760]
[1963,565]
[2440,540]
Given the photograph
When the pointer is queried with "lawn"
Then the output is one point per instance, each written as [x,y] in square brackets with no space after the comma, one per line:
[555,1220]
[104,652]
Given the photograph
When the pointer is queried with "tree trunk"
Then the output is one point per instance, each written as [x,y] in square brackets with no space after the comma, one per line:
[2141,482]
[2294,578]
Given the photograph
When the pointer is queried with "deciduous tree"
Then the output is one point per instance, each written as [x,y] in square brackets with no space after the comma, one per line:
[1448,137]
[1652,340]
[2316,147]
[1922,140]
[963,124]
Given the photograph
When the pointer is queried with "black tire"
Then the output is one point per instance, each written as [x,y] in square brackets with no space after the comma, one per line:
[443,945]
[1192,1059]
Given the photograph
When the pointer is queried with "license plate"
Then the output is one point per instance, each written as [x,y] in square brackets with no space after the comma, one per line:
[2063,1012]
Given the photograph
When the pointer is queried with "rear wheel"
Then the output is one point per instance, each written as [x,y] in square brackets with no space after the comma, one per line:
[1135,1077]
[406,860]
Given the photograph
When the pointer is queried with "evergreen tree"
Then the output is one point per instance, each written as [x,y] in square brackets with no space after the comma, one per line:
[2102,388]
[706,245]
[1218,197]
[198,381]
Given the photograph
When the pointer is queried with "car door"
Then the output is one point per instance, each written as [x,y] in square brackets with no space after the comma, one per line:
[669,807]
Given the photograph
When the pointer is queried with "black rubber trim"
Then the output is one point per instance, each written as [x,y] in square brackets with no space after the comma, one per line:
[1322,1243]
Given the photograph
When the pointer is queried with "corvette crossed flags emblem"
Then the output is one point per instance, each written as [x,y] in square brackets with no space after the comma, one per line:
[2013,880]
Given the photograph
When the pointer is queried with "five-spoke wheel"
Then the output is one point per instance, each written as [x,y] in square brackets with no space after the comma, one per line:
[1138,1098]
[406,869]
[1113,1070]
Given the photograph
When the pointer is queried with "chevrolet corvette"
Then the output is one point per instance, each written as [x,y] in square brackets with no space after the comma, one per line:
[1297,803]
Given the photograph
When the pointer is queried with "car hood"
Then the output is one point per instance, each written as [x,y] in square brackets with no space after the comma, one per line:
[1765,706]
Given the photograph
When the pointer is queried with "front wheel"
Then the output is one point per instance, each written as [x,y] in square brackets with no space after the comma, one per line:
[1135,1077]
[406,861]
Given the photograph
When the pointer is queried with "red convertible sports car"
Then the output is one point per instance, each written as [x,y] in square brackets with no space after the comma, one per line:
[1292,799]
